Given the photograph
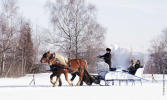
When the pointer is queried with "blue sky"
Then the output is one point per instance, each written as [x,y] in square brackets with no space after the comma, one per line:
[130,24]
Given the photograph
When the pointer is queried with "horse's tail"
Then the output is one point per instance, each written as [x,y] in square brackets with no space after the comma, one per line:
[87,78]
[86,65]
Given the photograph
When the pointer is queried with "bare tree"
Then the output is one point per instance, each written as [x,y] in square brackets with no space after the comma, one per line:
[12,46]
[7,29]
[73,23]
[158,57]
[76,30]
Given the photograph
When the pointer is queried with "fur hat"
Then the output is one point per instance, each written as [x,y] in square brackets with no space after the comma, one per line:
[108,49]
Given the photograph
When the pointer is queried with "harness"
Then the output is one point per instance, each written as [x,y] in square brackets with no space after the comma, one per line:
[55,68]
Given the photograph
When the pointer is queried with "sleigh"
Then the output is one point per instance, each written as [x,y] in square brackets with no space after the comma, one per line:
[119,76]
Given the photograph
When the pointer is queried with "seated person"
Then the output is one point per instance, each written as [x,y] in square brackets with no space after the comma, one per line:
[138,65]
[132,69]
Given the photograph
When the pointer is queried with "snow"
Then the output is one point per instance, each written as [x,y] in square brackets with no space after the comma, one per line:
[19,89]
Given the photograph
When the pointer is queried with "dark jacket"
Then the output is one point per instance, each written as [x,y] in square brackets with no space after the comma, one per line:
[132,70]
[138,66]
[107,58]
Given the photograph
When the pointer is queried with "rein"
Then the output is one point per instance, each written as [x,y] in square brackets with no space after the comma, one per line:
[56,67]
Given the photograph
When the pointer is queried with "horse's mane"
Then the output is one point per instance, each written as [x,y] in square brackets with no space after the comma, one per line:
[63,60]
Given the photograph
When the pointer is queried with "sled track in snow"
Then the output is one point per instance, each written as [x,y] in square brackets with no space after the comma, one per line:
[40,86]
[23,86]
[50,86]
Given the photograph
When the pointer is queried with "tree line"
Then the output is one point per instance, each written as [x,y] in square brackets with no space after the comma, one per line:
[157,61]
[75,33]
[17,53]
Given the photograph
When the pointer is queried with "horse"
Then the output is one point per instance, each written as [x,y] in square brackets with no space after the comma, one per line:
[73,66]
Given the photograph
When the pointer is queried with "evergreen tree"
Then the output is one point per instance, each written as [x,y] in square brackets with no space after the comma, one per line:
[26,47]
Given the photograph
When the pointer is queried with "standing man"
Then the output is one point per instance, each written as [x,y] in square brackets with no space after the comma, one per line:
[107,58]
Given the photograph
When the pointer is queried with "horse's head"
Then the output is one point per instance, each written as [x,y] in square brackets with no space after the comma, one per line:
[45,57]
[53,60]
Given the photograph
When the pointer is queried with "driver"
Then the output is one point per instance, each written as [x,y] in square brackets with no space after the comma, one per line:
[107,58]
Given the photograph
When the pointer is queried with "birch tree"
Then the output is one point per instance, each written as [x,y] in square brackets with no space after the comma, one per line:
[7,29]
[158,54]
[73,22]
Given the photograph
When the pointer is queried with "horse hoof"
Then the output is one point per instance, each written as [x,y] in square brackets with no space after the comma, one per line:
[54,85]
[78,85]
[71,84]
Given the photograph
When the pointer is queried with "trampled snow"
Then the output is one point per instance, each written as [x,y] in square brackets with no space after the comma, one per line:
[19,89]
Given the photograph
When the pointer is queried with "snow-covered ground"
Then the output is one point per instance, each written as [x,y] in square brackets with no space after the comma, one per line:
[19,89]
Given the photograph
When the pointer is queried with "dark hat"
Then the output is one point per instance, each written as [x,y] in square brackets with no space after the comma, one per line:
[108,49]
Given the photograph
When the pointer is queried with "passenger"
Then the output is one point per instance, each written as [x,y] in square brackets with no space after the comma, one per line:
[138,65]
[132,69]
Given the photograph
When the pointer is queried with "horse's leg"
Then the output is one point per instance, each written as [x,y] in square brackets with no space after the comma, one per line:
[81,83]
[57,80]
[67,79]
[73,76]
[51,78]
[80,77]
[60,82]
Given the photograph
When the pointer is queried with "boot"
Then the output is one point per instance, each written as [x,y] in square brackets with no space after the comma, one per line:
[112,69]
[125,70]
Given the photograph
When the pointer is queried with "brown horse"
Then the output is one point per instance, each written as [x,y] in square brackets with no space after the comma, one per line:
[76,66]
